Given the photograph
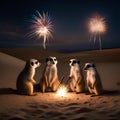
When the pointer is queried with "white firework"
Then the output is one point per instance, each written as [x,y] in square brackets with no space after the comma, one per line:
[41,27]
[97,26]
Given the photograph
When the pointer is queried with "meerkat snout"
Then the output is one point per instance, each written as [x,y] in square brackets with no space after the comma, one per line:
[73,62]
[34,63]
[89,66]
[51,61]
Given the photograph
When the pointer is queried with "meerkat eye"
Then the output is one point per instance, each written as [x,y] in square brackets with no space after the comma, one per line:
[51,59]
[88,66]
[74,61]
[36,62]
[78,62]
[32,63]
[55,59]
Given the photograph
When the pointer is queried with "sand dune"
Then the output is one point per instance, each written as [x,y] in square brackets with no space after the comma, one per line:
[49,105]
[108,55]
[9,69]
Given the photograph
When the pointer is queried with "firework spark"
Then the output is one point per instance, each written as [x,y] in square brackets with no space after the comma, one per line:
[62,90]
[42,27]
[97,26]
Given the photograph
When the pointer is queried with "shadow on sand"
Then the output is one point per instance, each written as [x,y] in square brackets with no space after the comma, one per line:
[5,91]
[111,93]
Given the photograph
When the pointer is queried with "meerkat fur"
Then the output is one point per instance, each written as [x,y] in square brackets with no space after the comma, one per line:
[49,78]
[94,83]
[25,79]
[76,83]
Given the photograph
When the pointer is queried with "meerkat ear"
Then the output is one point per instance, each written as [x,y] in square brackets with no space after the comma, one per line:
[32,63]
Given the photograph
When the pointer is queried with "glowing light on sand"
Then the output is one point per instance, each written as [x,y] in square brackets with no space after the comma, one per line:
[42,27]
[62,91]
[97,26]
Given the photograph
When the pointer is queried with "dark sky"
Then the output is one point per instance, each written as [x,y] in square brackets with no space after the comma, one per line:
[69,17]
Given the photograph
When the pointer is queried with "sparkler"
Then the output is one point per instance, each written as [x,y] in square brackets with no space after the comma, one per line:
[97,26]
[42,27]
[62,90]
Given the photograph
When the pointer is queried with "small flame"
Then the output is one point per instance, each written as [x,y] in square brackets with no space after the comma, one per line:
[62,91]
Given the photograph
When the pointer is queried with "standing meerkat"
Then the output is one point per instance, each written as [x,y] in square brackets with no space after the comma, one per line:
[25,79]
[76,82]
[93,79]
[49,78]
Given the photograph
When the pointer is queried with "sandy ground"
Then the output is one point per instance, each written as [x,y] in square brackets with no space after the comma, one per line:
[50,106]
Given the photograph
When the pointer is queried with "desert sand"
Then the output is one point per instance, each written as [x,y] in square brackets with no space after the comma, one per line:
[50,106]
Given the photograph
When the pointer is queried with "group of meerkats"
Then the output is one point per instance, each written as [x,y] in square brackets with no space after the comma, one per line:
[49,81]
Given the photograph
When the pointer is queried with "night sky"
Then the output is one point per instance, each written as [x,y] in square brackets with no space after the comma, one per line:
[69,17]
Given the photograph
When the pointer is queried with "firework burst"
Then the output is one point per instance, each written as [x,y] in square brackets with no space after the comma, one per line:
[41,27]
[97,26]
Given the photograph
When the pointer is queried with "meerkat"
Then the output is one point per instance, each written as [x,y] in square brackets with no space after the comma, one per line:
[93,79]
[49,78]
[25,79]
[76,82]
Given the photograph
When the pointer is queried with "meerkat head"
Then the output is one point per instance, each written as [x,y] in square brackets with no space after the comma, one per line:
[33,63]
[89,66]
[74,62]
[51,61]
